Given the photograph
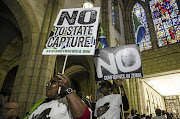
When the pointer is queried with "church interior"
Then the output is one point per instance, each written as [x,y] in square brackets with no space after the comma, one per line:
[25,26]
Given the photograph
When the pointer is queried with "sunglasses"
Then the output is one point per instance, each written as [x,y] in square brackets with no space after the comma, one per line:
[51,82]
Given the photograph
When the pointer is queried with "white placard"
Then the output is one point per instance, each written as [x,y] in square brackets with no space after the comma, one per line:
[123,62]
[74,32]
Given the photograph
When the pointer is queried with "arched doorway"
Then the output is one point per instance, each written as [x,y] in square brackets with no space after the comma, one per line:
[9,81]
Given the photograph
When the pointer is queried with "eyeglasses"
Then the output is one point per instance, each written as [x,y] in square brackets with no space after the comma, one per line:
[51,82]
[8,108]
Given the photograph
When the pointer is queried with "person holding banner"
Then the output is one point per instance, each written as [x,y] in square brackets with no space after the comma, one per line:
[61,102]
[109,107]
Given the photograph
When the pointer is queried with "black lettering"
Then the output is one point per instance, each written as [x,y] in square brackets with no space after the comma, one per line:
[68,41]
[56,31]
[79,31]
[71,20]
[90,30]
[69,31]
[56,42]
[92,17]
[86,43]
[92,39]
[85,27]
[61,31]
[74,42]
[62,40]
[81,40]
[75,29]
[49,42]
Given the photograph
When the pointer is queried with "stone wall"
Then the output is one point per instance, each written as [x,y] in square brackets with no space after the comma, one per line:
[163,59]
[39,8]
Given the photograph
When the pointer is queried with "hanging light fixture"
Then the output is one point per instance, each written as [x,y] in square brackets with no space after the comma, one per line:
[87,4]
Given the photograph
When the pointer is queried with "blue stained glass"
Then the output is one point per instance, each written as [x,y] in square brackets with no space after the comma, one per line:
[140,26]
[166,20]
[113,12]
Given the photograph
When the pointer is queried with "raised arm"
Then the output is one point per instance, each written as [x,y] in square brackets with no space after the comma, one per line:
[123,94]
[77,106]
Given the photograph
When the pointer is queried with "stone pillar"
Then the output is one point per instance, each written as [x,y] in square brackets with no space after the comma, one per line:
[34,69]
[150,23]
[92,76]
[105,19]
[134,95]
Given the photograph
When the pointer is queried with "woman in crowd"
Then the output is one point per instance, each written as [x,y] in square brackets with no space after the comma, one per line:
[61,102]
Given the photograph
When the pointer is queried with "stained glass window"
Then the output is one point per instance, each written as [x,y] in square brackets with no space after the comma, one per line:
[113,12]
[140,26]
[115,15]
[166,19]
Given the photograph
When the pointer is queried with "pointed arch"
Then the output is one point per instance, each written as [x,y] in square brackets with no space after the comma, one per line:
[153,102]
[140,28]
[128,27]
[115,14]
[148,106]
[25,17]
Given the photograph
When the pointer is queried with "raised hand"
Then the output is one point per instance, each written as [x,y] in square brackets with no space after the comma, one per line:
[64,81]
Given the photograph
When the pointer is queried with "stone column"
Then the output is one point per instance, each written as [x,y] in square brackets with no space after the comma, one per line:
[135,96]
[34,69]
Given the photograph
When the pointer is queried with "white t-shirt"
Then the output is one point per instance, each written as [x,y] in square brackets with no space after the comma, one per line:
[108,107]
[52,110]
[130,117]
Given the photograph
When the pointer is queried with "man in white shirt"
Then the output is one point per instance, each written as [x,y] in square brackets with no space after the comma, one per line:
[109,107]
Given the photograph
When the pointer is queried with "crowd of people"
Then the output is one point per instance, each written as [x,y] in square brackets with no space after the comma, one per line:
[159,115]
[63,103]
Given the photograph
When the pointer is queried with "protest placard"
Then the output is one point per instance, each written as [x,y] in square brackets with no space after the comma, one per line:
[121,62]
[74,32]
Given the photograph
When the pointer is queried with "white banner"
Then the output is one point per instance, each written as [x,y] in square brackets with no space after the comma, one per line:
[74,32]
[123,62]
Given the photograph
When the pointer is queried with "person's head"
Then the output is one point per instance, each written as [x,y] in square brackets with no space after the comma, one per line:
[135,111]
[106,87]
[148,117]
[52,88]
[163,112]
[137,117]
[10,110]
[158,112]
[132,112]
[128,58]
[143,115]
[167,113]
